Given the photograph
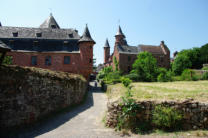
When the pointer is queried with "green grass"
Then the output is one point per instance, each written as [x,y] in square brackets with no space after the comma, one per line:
[160,91]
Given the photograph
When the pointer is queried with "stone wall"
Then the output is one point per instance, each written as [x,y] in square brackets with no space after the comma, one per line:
[28,94]
[195,114]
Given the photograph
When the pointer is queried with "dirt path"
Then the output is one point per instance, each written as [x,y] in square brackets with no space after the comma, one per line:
[84,121]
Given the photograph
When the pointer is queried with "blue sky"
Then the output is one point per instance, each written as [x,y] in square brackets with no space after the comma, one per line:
[182,24]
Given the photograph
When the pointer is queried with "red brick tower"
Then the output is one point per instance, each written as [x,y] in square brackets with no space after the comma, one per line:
[86,53]
[106,51]
[120,37]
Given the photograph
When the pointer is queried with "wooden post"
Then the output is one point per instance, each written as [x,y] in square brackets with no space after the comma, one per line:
[2,57]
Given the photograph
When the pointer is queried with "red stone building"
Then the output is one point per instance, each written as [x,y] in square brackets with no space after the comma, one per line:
[126,55]
[50,47]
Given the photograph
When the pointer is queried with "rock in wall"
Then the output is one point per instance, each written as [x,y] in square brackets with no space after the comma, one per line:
[27,94]
[195,114]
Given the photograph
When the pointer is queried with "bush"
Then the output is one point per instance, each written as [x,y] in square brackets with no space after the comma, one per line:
[126,81]
[189,75]
[7,60]
[113,77]
[205,68]
[164,75]
[132,76]
[166,118]
[205,76]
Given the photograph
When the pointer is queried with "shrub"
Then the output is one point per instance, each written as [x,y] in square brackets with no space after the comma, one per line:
[205,76]
[189,75]
[113,77]
[7,60]
[126,81]
[166,118]
[164,75]
[205,68]
[132,76]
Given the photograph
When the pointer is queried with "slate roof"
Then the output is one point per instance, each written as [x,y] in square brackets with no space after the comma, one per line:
[50,23]
[119,31]
[30,33]
[151,49]
[106,43]
[86,37]
[4,47]
[126,49]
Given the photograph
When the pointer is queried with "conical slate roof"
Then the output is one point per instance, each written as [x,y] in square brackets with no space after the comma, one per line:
[86,37]
[4,47]
[119,31]
[107,43]
[50,23]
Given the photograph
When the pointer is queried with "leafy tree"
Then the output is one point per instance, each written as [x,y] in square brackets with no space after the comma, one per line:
[204,53]
[115,63]
[180,63]
[164,75]
[145,66]
[7,60]
[194,55]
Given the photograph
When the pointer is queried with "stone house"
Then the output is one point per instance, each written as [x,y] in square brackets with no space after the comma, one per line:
[50,47]
[126,54]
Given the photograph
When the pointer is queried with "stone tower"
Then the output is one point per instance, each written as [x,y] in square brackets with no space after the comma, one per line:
[106,51]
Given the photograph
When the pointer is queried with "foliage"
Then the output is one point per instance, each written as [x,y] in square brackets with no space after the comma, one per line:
[127,118]
[126,81]
[166,117]
[189,75]
[104,72]
[164,75]
[7,60]
[205,68]
[181,63]
[115,63]
[132,76]
[204,53]
[205,76]
[113,77]
[145,66]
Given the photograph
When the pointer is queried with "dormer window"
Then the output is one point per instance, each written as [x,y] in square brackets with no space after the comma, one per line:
[71,35]
[38,34]
[53,26]
[15,34]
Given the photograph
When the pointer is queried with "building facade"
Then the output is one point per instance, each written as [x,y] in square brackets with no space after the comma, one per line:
[126,54]
[50,47]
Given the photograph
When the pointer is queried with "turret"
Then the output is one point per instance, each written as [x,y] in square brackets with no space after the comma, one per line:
[86,51]
[106,51]
[120,37]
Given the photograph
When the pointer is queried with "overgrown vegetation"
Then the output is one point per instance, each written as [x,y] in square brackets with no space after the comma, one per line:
[166,118]
[7,60]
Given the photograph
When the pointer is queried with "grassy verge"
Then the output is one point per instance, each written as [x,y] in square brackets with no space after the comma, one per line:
[180,90]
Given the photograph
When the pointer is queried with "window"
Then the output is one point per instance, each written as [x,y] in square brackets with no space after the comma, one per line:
[34,60]
[70,35]
[53,26]
[15,34]
[11,43]
[39,34]
[129,58]
[66,59]
[129,69]
[65,45]
[161,59]
[48,60]
[35,45]
[90,60]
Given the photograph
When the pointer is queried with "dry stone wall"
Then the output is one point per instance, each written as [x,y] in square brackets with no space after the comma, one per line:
[195,114]
[27,94]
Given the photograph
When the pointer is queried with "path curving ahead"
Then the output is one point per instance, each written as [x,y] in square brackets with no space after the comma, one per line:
[84,121]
